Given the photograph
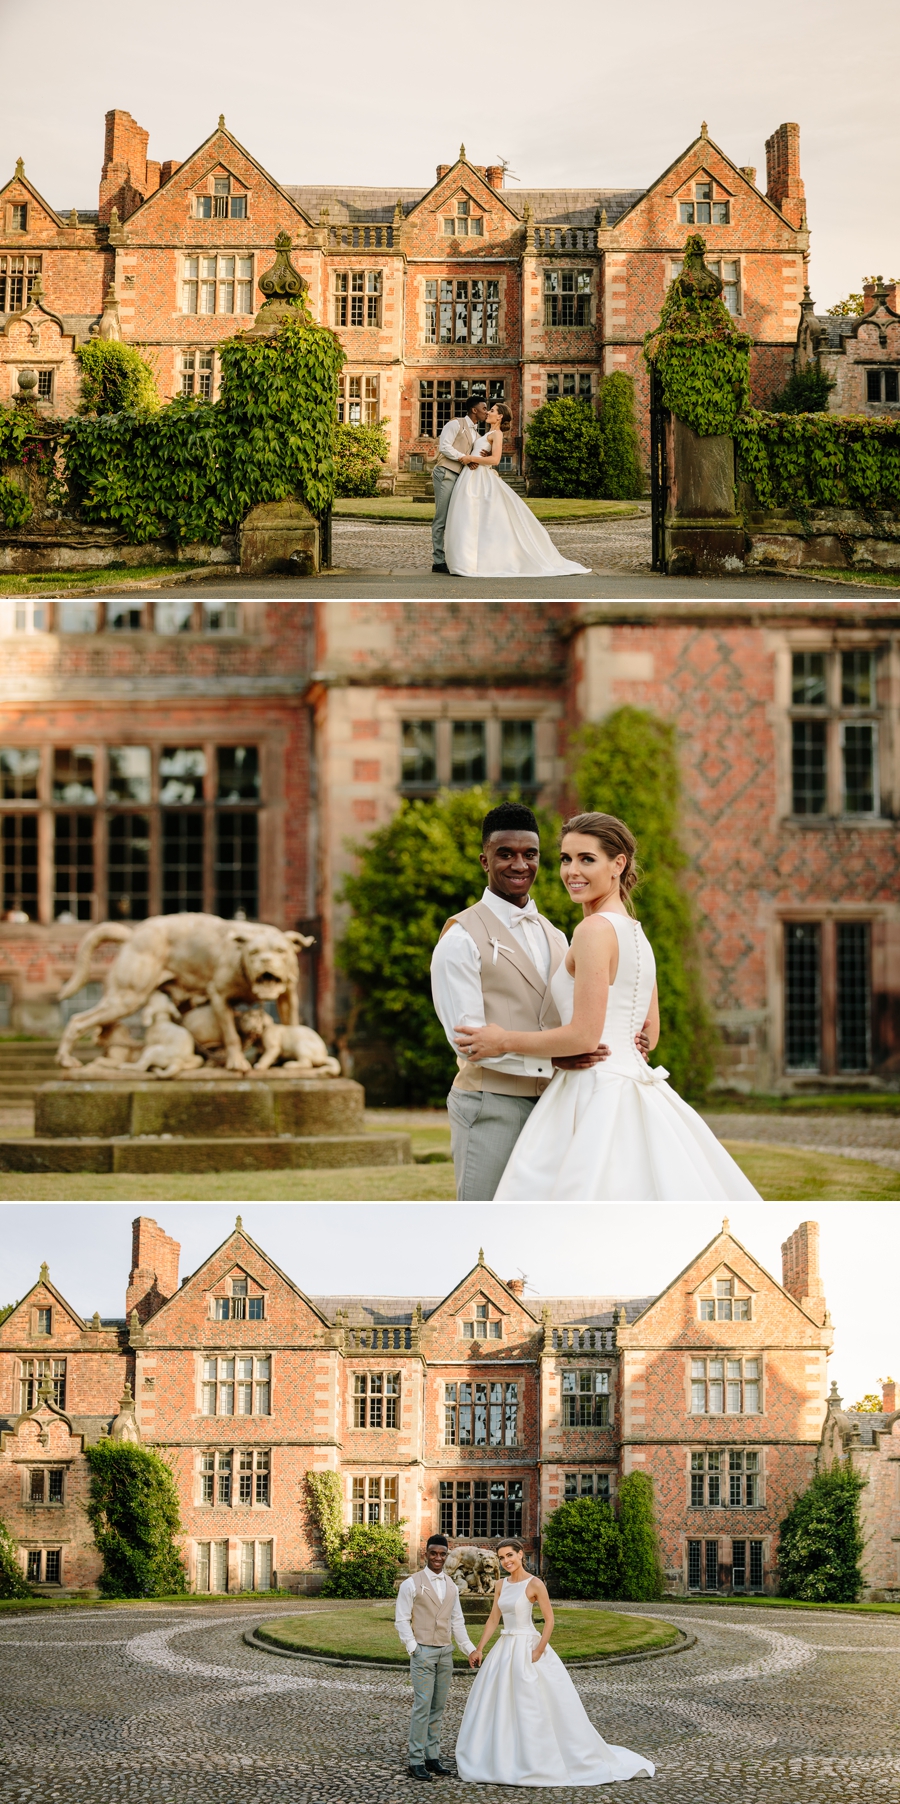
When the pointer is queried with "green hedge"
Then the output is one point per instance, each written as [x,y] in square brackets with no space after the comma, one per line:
[133,1511]
[623,471]
[808,460]
[115,378]
[820,1542]
[12,1579]
[359,453]
[564,443]
[591,1552]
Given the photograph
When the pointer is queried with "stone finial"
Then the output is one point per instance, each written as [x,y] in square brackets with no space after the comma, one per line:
[834,1398]
[20,169]
[45,1391]
[604,219]
[96,1323]
[481,1255]
[462,153]
[73,217]
[704,129]
[324,216]
[284,288]
[114,220]
[134,1322]
[221,126]
[238,1225]
[726,1225]
[45,1272]
[398,212]
[418,1313]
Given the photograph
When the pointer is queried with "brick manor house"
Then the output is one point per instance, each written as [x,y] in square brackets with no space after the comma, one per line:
[476,1413]
[177,755]
[436,292]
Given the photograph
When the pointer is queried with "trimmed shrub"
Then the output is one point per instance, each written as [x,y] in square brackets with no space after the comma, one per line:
[564,442]
[820,1543]
[581,1549]
[133,1511]
[12,1582]
[805,391]
[628,766]
[115,378]
[412,875]
[623,471]
[368,1562]
[640,1569]
[359,453]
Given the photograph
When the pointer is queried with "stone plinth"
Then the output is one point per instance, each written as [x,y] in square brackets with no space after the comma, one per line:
[280,536]
[232,1124]
[704,534]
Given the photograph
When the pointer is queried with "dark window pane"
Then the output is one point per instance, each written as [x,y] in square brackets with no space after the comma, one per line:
[756,1565]
[514,1507]
[468,758]
[857,679]
[56,1487]
[237,865]
[694,1565]
[517,751]
[739,1564]
[181,773]
[859,741]
[853,996]
[712,1565]
[19,772]
[73,775]
[891,386]
[498,1507]
[73,858]
[808,679]
[873,385]
[480,1507]
[129,866]
[238,773]
[802,1038]
[419,758]
[120,619]
[808,771]
[54,1561]
[20,863]
[182,863]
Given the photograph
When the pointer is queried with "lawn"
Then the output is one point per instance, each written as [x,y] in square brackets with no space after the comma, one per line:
[48,582]
[396,507]
[355,1634]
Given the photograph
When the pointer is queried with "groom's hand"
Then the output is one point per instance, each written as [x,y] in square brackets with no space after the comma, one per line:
[474,1658]
[582,1061]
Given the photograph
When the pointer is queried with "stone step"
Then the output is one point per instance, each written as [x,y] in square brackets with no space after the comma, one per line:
[180,1153]
[17,1096]
[185,1108]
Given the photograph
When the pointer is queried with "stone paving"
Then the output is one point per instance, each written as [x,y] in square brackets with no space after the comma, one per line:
[404,545]
[169,1706]
[875,1138]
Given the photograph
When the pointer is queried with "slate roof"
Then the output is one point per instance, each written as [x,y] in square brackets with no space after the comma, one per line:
[594,1312]
[550,206]
[88,1426]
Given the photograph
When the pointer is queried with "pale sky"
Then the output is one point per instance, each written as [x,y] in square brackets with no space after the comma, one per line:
[400,1249]
[588,94]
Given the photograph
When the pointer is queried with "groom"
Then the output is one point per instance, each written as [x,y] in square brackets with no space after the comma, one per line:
[428,1619]
[454,451]
[496,962]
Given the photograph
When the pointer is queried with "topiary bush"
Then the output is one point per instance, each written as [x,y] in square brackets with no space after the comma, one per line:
[412,874]
[805,391]
[12,1580]
[368,1562]
[359,454]
[628,766]
[623,470]
[115,378]
[581,1549]
[564,442]
[701,360]
[640,1567]
[820,1542]
[134,1513]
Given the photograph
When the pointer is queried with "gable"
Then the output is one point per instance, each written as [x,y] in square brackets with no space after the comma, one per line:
[703,159]
[20,1326]
[192,1309]
[219,151]
[724,1257]
[40,212]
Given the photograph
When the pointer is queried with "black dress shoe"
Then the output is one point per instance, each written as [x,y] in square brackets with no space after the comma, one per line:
[437,1766]
[440,570]
[421,1772]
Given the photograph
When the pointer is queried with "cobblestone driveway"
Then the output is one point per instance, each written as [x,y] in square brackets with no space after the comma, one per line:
[171,1705]
[383,545]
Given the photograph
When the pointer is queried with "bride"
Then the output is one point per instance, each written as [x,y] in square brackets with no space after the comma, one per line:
[615,1132]
[489,530]
[524,1723]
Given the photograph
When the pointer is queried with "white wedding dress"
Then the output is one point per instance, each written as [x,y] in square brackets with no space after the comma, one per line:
[490,531]
[617,1133]
[524,1723]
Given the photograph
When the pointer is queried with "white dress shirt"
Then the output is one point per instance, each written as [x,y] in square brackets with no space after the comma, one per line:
[456,979]
[447,445]
[403,1612]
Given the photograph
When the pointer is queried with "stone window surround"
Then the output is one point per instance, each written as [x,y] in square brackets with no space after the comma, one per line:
[233,1545]
[360,1497]
[511,1426]
[46,612]
[828,916]
[46,1502]
[378,1400]
[708,1292]
[687,195]
[207,188]
[765,1542]
[599,1395]
[233,1353]
[477,272]
[448,707]
[886,646]
[724,1450]
[234,1476]
[596,1472]
[724,1355]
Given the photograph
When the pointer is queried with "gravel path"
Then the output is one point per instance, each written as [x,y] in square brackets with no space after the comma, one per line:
[171,1707]
[872,1137]
[379,545]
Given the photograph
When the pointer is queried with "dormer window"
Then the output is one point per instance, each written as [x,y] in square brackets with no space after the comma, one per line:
[704,209]
[483,1327]
[466,224]
[221,203]
[724,1306]
[239,1306]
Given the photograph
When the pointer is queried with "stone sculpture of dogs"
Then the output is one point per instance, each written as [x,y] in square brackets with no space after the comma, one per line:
[168,1049]
[294,1048]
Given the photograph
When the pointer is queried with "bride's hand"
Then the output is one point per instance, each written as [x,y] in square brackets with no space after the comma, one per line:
[480,1042]
[537,1651]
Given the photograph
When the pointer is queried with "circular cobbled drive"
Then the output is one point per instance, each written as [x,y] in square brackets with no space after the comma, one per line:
[170,1704]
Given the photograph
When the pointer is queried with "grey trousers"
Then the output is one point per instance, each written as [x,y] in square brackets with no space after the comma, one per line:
[431,1669]
[484,1128]
[443,489]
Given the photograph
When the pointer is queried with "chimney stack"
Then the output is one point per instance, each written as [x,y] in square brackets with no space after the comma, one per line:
[153,1278]
[784,186]
[889,1396]
[493,175]
[800,1270]
[126,178]
[517,1286]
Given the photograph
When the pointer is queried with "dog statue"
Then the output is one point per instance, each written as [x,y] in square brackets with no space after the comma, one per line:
[294,1048]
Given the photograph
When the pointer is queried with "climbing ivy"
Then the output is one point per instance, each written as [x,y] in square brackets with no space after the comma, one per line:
[133,1511]
[28,443]
[12,1579]
[809,460]
[326,1506]
[115,378]
[700,358]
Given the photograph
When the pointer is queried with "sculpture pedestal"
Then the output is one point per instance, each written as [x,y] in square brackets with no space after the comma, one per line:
[280,536]
[229,1124]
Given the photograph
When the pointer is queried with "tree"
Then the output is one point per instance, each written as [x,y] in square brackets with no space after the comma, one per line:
[6,1310]
[581,1549]
[12,1582]
[623,472]
[359,452]
[872,1404]
[853,305]
[133,1511]
[806,391]
[115,378]
[820,1543]
[368,1561]
[564,443]
[628,766]
[641,1574]
[413,874]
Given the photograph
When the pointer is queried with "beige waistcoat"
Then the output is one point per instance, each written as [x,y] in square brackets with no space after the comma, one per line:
[431,1615]
[515,995]
[461,438]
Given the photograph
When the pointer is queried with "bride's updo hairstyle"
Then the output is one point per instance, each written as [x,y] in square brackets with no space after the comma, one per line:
[617,841]
[504,412]
[511,1541]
